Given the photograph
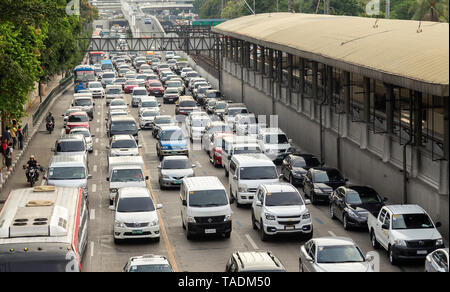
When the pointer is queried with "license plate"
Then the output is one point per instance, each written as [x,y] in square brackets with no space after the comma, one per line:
[421,252]
[177,182]
[138,232]
[174,152]
[289,227]
[210,231]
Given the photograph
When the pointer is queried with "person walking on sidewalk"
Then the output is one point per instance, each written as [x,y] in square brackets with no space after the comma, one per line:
[8,156]
[6,134]
[14,135]
[3,147]
[20,137]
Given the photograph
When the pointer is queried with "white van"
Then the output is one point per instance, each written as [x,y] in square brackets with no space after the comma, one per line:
[274,143]
[247,172]
[237,145]
[125,171]
[68,171]
[205,208]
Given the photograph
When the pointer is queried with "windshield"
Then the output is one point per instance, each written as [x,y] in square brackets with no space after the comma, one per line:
[174,84]
[200,122]
[177,164]
[80,132]
[59,173]
[131,205]
[234,111]
[339,254]
[331,175]
[152,103]
[114,91]
[140,92]
[83,102]
[188,103]
[108,75]
[38,263]
[246,150]
[220,129]
[283,199]
[411,221]
[150,113]
[277,139]
[209,198]
[150,268]
[172,135]
[155,84]
[127,175]
[124,144]
[258,172]
[85,76]
[70,146]
[95,85]
[220,105]
[123,126]
[321,176]
[247,120]
[214,95]
[78,118]
[133,82]
[191,74]
[298,162]
[355,198]
[117,102]
[163,121]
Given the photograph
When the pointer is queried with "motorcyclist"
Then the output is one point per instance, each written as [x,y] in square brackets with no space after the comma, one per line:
[49,119]
[32,163]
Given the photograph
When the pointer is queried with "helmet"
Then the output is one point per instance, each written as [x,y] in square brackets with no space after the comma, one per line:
[31,156]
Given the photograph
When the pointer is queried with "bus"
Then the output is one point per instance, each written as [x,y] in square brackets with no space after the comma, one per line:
[208,22]
[83,74]
[43,229]
[96,57]
[107,65]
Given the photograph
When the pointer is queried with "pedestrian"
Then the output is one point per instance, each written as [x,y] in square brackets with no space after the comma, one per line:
[7,134]
[3,147]
[8,156]
[20,137]
[14,135]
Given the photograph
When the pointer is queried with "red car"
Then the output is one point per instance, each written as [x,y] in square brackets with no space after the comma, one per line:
[215,151]
[129,85]
[77,119]
[154,88]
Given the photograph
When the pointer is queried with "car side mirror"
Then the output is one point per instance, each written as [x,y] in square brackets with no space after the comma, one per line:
[369,257]
[159,166]
[385,199]
[290,141]
[62,116]
[89,176]
[194,166]
[111,207]
[107,179]
[159,206]
[235,177]
[184,202]
[146,178]
[258,203]
[438,224]
[281,176]
[346,179]
[307,202]
[385,226]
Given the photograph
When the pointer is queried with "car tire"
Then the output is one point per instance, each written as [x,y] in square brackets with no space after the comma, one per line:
[157,239]
[227,234]
[308,236]
[116,241]
[291,180]
[263,234]
[254,222]
[332,212]
[188,234]
[345,222]
[373,240]
[392,258]
[226,173]
[313,198]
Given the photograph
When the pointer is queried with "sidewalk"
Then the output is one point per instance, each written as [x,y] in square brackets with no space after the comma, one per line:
[28,120]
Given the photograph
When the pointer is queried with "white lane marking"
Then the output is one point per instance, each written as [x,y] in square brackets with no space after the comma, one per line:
[97,130]
[94,188]
[253,244]
[98,120]
[198,164]
[96,140]
[63,131]
[96,152]
[43,182]
[331,233]
[92,249]
[95,168]
[92,216]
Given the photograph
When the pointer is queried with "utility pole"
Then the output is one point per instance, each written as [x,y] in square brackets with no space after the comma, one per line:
[289,5]
[300,8]
[388,8]
[277,6]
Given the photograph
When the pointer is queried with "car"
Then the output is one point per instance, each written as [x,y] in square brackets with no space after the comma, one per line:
[184,71]
[123,71]
[295,166]
[201,90]
[135,215]
[155,88]
[219,108]
[129,85]
[77,119]
[162,120]
[352,205]
[96,89]
[116,112]
[137,94]
[67,113]
[147,116]
[185,105]
[171,141]
[148,263]
[148,102]
[86,104]
[130,76]
[176,84]
[118,104]
[197,127]
[320,182]
[274,143]
[123,145]
[180,65]
[231,111]
[211,128]
[213,93]
[173,169]
[245,125]
[171,95]
[209,105]
[437,261]
[334,254]
[113,91]
[279,208]
[189,75]
[169,55]
[215,147]
[260,261]
[87,136]
[108,78]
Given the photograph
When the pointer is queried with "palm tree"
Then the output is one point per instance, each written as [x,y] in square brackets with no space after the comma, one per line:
[430,10]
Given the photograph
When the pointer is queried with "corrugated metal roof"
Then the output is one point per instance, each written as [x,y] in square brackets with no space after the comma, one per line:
[391,51]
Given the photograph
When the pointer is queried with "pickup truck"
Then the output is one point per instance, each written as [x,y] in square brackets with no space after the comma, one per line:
[405,231]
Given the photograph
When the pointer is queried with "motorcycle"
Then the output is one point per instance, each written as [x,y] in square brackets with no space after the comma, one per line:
[50,126]
[32,175]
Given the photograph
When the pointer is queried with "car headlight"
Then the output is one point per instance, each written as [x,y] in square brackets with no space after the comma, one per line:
[269,216]
[119,224]
[298,173]
[352,213]
[113,190]
[227,218]
[242,189]
[316,190]
[400,242]
[164,147]
[191,219]
[154,222]
[440,241]
[307,215]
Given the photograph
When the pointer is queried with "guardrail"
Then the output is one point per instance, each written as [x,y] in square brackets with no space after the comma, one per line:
[43,106]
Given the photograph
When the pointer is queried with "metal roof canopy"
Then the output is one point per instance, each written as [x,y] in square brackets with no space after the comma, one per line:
[391,51]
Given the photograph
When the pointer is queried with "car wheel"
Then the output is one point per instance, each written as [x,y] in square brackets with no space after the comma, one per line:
[345,222]
[116,241]
[227,234]
[392,258]
[264,236]
[313,199]
[182,222]
[332,212]
[254,222]
[188,234]
[373,240]
[308,236]
[291,180]
[226,173]
[157,239]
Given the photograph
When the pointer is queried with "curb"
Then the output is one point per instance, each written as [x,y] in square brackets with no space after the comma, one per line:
[17,157]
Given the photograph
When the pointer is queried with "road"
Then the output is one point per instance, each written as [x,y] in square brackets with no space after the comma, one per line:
[200,255]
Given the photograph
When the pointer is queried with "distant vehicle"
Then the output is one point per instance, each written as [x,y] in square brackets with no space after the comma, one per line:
[333,254]
[107,65]
[171,141]
[295,166]
[83,74]
[254,261]
[148,21]
[173,169]
[148,263]
[320,182]
[123,145]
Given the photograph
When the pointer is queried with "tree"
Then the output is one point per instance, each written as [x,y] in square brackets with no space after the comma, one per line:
[431,10]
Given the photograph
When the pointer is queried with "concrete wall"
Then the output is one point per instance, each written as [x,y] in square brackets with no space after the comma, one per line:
[361,166]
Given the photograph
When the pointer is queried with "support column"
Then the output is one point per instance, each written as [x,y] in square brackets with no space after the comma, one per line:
[255,57]
[366,115]
[301,85]
[280,72]
[270,63]
[290,78]
[346,103]
[315,87]
[329,96]
[443,164]
[263,61]
[390,105]
[415,150]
